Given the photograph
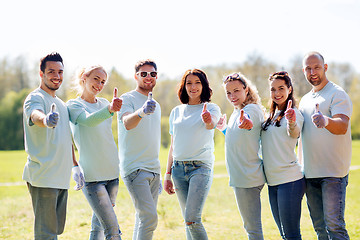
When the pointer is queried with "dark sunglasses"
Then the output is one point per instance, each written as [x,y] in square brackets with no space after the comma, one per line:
[234,76]
[145,74]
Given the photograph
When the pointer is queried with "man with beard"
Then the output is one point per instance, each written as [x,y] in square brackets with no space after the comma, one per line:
[49,147]
[326,143]
[139,145]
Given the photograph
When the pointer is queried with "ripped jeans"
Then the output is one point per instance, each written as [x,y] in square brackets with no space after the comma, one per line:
[192,180]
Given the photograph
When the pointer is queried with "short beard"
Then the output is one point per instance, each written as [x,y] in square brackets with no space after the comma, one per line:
[146,88]
[51,88]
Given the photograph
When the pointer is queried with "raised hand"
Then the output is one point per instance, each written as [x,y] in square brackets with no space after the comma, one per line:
[52,117]
[205,115]
[116,102]
[221,125]
[319,120]
[244,121]
[290,114]
[150,104]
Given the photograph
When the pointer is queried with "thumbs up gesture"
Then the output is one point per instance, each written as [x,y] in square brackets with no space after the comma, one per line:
[150,104]
[205,115]
[319,120]
[52,117]
[221,125]
[116,102]
[245,121]
[290,114]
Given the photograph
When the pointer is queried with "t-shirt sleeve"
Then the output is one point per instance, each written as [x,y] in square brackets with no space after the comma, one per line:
[33,102]
[341,104]
[79,115]
[299,118]
[255,113]
[75,109]
[171,119]
[126,107]
[215,111]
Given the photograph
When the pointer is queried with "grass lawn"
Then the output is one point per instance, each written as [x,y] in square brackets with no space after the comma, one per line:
[221,216]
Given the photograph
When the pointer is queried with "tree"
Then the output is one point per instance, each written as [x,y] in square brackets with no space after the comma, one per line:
[11,128]
[13,75]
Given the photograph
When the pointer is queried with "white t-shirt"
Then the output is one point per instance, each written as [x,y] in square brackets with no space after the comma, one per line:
[97,148]
[242,147]
[139,147]
[49,160]
[278,151]
[325,154]
[191,140]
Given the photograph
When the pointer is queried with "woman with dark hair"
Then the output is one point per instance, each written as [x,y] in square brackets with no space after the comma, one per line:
[242,144]
[191,154]
[285,179]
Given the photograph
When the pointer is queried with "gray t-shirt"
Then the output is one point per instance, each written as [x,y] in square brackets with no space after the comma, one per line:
[139,147]
[49,149]
[325,154]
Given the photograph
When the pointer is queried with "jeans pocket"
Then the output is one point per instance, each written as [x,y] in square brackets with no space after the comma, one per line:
[131,177]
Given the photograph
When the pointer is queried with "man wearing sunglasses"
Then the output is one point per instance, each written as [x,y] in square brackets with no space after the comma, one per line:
[326,142]
[139,130]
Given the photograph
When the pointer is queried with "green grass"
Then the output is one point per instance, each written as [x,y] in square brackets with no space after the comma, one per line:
[221,216]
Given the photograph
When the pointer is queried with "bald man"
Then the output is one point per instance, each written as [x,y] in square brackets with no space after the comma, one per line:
[326,148]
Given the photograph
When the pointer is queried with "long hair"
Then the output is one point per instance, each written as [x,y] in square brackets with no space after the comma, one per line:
[252,95]
[273,106]
[206,90]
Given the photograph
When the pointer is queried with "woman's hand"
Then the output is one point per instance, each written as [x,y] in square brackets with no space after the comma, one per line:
[244,121]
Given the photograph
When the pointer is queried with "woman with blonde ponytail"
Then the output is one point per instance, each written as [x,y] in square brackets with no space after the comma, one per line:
[91,119]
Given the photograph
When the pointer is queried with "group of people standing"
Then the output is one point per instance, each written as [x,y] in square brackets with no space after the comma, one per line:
[259,149]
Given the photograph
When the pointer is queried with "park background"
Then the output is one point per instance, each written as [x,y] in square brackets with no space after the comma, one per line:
[256,38]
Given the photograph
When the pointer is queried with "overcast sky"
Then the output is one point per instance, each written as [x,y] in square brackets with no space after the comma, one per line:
[179,35]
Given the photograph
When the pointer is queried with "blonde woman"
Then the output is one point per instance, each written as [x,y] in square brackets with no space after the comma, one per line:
[242,144]
[91,119]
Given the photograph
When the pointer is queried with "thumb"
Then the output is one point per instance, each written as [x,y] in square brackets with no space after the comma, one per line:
[53,108]
[115,92]
[150,96]
[289,105]
[205,107]
[317,110]
[241,115]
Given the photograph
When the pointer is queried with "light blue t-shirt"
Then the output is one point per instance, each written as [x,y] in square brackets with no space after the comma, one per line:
[49,160]
[191,140]
[278,151]
[242,147]
[139,147]
[95,142]
[325,154]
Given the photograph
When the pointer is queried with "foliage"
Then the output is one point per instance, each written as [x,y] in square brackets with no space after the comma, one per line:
[15,76]
[11,129]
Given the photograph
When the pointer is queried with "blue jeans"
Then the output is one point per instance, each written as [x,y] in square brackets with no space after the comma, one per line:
[101,197]
[249,204]
[326,203]
[285,201]
[49,205]
[192,180]
[143,187]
